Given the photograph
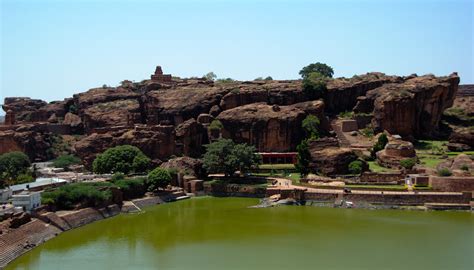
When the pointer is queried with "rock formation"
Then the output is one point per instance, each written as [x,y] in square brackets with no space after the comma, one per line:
[332,161]
[168,116]
[395,151]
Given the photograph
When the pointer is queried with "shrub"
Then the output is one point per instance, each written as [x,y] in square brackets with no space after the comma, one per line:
[408,163]
[444,172]
[216,125]
[314,85]
[123,158]
[12,165]
[133,187]
[464,167]
[117,177]
[346,115]
[310,125]
[24,178]
[367,132]
[210,76]
[268,78]
[65,161]
[380,145]
[84,194]
[158,178]
[355,167]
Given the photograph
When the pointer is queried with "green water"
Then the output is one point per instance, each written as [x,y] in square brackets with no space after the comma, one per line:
[222,233]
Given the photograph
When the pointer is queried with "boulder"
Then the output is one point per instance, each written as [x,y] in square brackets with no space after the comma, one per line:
[395,151]
[31,139]
[332,160]
[186,165]
[462,139]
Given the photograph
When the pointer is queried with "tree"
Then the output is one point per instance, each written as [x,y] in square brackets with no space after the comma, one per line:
[12,165]
[65,161]
[380,145]
[444,172]
[210,76]
[318,67]
[314,85]
[303,158]
[355,167]
[310,125]
[123,158]
[408,163]
[268,78]
[224,156]
[158,178]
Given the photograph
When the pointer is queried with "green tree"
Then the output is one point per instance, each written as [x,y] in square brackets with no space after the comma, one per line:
[311,127]
[158,178]
[444,172]
[303,158]
[318,67]
[380,145]
[12,165]
[210,76]
[224,156]
[314,85]
[268,78]
[408,163]
[355,167]
[123,158]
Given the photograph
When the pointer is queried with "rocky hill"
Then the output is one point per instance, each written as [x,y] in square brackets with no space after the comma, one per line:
[170,117]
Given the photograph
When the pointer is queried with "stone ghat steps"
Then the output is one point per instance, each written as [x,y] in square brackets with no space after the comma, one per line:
[343,141]
[23,239]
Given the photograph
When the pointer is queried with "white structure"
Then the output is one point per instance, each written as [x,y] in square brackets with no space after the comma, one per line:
[27,200]
[5,194]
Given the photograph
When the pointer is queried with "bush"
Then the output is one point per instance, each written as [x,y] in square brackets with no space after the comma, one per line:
[408,163]
[117,177]
[158,178]
[303,158]
[464,167]
[314,86]
[444,172]
[84,194]
[380,145]
[66,161]
[346,115]
[12,165]
[355,167]
[216,125]
[24,178]
[310,125]
[132,188]
[268,78]
[123,158]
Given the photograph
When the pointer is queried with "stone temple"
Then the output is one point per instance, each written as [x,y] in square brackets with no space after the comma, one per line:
[160,77]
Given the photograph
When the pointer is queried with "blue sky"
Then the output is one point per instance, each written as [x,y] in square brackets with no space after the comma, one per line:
[53,49]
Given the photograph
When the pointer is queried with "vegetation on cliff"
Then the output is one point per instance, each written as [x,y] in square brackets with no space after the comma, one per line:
[123,158]
[14,168]
[225,156]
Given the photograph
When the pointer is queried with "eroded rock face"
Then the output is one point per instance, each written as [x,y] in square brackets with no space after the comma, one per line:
[342,93]
[268,127]
[332,160]
[186,165]
[414,107]
[157,142]
[34,141]
[462,139]
[178,105]
[24,109]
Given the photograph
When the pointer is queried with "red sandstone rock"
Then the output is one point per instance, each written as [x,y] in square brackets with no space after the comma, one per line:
[185,165]
[332,160]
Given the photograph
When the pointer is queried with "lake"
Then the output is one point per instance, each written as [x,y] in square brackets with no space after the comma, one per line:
[223,233]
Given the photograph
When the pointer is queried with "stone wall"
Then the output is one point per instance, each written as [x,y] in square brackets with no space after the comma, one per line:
[452,183]
[234,190]
[374,177]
